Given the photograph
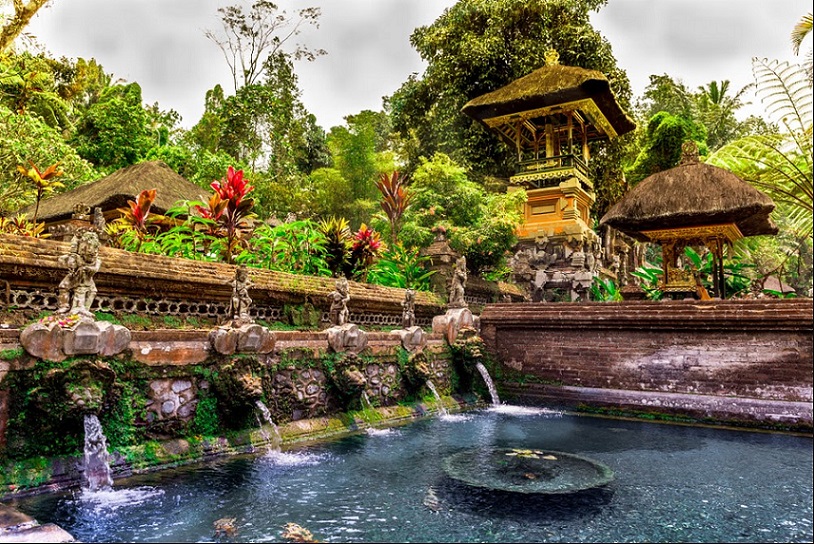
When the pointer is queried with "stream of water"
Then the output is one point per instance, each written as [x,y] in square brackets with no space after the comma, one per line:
[489,383]
[441,408]
[96,469]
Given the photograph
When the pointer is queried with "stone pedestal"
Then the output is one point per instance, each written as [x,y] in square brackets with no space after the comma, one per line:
[451,323]
[249,338]
[55,342]
[346,338]
[412,339]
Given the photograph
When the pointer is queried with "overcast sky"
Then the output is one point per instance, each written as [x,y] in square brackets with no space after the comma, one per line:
[160,44]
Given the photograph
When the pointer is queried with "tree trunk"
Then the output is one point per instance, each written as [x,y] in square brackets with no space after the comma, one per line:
[15,25]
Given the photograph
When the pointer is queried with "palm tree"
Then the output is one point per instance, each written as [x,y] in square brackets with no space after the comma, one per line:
[801,30]
[717,111]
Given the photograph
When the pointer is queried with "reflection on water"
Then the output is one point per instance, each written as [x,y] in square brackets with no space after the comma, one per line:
[672,483]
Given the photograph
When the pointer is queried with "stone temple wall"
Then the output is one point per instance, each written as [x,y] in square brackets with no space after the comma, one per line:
[157,285]
[169,373]
[737,361]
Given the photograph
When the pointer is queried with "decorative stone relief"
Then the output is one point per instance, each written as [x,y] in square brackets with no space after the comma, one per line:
[450,323]
[171,399]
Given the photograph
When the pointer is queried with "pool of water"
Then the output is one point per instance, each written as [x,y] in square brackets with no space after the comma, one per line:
[672,483]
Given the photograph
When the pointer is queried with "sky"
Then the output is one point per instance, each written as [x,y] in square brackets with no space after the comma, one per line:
[161,45]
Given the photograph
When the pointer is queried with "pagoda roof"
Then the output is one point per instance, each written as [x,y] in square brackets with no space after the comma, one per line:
[113,191]
[692,194]
[545,89]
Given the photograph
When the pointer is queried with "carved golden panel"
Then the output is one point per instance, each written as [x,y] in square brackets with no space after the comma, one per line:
[727,231]
[587,105]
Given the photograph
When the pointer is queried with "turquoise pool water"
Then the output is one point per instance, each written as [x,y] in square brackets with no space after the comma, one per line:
[672,483]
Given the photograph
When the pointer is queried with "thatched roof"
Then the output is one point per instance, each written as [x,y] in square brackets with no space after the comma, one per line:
[692,194]
[115,190]
[549,86]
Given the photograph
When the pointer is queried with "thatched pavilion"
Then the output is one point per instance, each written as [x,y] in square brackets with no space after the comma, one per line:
[549,116]
[112,192]
[692,204]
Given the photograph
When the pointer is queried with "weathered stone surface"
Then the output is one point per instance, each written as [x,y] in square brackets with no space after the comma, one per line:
[250,338]
[38,534]
[43,342]
[54,343]
[451,323]
[171,399]
[113,339]
[347,338]
[412,339]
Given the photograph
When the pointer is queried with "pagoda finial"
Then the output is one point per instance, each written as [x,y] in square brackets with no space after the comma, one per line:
[552,58]
[689,153]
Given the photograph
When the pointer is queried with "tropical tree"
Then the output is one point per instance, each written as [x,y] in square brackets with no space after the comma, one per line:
[14,25]
[248,39]
[114,132]
[801,30]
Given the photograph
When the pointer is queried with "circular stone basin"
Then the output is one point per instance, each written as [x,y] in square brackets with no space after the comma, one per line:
[526,471]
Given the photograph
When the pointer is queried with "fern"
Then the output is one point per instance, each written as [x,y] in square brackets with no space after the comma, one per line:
[780,164]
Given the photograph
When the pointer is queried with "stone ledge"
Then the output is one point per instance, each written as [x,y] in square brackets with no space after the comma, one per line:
[741,411]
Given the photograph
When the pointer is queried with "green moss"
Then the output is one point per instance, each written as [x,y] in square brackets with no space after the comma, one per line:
[172,322]
[26,473]
[102,316]
[11,354]
[206,421]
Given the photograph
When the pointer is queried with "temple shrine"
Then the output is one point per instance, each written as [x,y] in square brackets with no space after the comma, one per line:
[549,117]
[692,205]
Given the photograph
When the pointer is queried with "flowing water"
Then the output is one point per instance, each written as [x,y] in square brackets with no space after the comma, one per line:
[489,384]
[275,440]
[96,468]
[441,408]
[672,484]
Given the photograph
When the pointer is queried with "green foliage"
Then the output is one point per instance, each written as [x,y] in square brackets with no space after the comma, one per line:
[401,267]
[297,247]
[605,290]
[113,133]
[24,138]
[11,354]
[119,422]
[779,163]
[206,421]
[661,148]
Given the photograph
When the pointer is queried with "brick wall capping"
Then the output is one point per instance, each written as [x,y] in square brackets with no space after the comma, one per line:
[760,314]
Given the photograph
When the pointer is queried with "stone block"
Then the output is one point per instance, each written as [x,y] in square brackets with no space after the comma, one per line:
[413,338]
[43,342]
[347,338]
[224,340]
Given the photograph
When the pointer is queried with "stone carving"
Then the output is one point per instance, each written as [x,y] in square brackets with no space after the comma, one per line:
[456,291]
[55,338]
[339,313]
[241,301]
[578,257]
[83,387]
[77,289]
[408,309]
[451,323]
[248,338]
[346,338]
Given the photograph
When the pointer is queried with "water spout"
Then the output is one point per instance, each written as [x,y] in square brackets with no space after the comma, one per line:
[441,408]
[97,459]
[275,441]
[489,383]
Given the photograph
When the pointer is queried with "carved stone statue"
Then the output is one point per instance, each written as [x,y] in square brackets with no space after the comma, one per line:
[241,301]
[408,309]
[339,298]
[77,289]
[99,223]
[456,292]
